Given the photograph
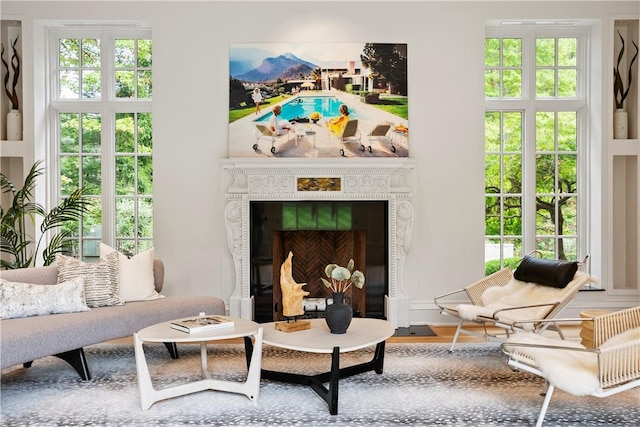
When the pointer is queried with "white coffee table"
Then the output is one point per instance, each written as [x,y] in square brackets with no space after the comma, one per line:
[163,333]
[362,333]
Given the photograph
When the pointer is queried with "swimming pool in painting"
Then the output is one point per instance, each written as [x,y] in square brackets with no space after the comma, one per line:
[327,106]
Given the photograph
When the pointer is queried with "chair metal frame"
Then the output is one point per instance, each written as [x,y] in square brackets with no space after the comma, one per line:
[503,277]
[618,365]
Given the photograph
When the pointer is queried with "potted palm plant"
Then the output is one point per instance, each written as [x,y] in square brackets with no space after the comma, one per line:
[15,240]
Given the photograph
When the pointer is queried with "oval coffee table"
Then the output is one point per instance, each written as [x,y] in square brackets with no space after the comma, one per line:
[163,333]
[362,333]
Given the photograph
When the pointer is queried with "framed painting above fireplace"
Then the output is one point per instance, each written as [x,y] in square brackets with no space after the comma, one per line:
[308,84]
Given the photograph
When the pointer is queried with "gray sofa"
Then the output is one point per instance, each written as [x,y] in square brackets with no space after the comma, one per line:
[25,339]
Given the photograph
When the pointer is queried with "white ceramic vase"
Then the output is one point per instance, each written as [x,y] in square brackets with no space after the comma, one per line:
[620,124]
[14,126]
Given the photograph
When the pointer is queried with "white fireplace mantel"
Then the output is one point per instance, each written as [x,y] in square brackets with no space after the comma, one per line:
[371,179]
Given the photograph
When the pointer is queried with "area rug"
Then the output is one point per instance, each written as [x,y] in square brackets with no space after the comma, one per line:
[422,384]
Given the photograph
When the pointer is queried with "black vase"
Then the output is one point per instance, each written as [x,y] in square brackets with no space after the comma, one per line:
[339,313]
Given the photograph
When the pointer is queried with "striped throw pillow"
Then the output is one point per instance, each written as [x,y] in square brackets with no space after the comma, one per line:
[100,278]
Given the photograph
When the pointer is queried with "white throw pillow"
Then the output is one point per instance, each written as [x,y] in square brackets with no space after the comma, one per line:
[135,274]
[100,278]
[27,299]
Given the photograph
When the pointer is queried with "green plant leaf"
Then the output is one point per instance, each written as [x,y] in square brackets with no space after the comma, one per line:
[15,241]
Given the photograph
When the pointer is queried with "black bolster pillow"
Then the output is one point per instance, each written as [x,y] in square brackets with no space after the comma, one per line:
[548,272]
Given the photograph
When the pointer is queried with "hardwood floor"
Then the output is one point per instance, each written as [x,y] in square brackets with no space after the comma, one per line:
[444,334]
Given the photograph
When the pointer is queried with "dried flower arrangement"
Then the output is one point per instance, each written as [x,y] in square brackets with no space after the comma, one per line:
[342,278]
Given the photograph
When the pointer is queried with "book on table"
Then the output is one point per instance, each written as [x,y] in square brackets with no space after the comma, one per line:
[202,323]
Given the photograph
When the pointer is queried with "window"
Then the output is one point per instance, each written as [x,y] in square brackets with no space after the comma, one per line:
[101,134]
[534,145]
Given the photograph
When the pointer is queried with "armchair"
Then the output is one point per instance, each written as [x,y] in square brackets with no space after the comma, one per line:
[502,303]
[612,367]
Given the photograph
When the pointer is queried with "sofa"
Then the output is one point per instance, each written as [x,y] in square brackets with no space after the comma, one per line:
[25,339]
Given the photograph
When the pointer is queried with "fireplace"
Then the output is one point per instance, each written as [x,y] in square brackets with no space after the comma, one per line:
[317,233]
[259,185]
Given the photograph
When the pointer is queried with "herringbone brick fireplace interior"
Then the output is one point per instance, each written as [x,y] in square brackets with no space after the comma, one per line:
[313,250]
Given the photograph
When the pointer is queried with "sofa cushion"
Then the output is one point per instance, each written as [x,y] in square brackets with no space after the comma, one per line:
[27,299]
[63,332]
[135,274]
[100,278]
[39,275]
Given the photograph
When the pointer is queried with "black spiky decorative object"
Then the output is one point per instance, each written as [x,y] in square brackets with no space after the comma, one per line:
[15,66]
[619,92]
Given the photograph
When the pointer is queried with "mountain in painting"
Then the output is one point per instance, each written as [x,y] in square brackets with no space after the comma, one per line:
[286,66]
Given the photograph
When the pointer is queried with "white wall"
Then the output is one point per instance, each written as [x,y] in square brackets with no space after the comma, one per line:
[445,43]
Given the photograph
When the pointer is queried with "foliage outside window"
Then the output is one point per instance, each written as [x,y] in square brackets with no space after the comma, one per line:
[102,112]
[535,103]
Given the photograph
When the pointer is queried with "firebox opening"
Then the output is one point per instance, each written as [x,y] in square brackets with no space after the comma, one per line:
[267,217]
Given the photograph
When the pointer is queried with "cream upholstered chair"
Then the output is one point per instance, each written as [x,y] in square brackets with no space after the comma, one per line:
[502,301]
[611,367]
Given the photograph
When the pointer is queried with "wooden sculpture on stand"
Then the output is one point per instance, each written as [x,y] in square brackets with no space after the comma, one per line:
[292,295]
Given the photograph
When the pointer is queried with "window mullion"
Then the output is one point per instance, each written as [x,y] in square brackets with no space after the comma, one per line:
[529,148]
[108,143]
[108,175]
[529,182]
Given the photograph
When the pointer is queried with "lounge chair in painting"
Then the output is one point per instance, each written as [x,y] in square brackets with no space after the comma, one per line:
[379,133]
[263,132]
[350,133]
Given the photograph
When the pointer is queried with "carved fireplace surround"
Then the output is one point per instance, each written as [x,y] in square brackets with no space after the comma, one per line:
[288,179]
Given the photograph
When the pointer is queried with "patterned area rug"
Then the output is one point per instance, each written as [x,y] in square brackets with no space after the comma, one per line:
[422,384]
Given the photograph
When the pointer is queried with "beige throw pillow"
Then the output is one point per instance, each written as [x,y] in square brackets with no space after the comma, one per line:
[27,299]
[100,278]
[135,274]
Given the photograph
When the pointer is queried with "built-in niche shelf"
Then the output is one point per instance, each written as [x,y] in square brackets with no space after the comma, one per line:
[16,154]
[625,223]
[623,162]
[627,29]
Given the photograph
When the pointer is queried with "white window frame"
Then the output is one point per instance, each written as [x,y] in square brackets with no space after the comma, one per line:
[107,106]
[529,105]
